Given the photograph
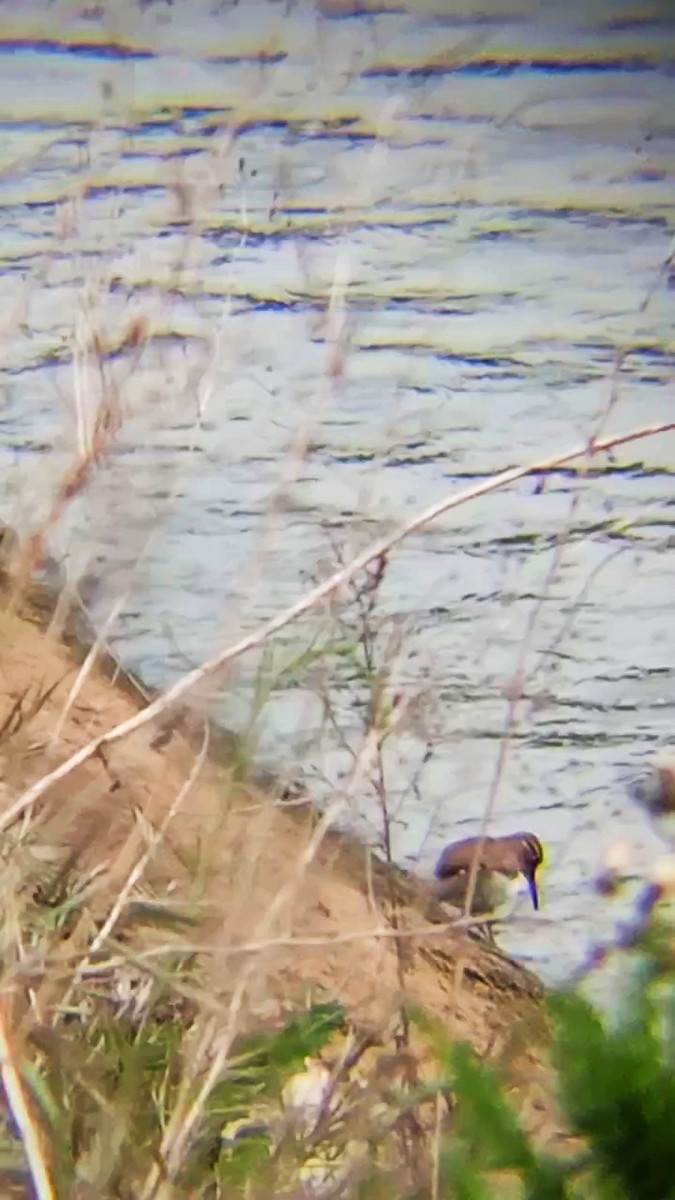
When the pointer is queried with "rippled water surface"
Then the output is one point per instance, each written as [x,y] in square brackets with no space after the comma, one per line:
[377,253]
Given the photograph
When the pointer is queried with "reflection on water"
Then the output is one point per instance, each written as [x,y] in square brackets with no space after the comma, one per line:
[380,252]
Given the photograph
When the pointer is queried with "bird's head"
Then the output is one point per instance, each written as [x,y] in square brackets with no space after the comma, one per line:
[530,857]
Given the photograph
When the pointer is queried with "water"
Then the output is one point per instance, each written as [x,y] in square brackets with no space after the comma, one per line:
[382,252]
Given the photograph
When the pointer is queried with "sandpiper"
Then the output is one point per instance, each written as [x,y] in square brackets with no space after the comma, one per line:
[499,860]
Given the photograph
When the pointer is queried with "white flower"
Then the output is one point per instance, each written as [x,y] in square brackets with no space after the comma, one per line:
[304,1095]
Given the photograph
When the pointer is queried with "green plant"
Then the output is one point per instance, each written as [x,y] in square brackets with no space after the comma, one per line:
[616,1087]
[102,1088]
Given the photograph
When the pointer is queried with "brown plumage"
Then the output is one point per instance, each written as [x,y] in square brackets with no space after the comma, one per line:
[505,857]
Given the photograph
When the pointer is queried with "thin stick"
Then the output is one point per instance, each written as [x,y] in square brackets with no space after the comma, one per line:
[179,1129]
[436,1150]
[137,871]
[310,600]
[30,1137]
[516,691]
[457,924]
[86,668]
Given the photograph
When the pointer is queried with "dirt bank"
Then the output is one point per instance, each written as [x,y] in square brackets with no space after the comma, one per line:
[270,915]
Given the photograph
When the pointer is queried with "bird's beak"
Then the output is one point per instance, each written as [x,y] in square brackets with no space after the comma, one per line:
[532,884]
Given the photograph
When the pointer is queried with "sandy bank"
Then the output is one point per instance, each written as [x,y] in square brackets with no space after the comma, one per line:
[286,923]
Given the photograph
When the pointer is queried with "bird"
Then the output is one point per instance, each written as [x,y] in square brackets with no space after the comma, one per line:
[498,861]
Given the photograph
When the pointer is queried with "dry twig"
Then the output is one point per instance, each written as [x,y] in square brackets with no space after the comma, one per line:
[25,1123]
[310,600]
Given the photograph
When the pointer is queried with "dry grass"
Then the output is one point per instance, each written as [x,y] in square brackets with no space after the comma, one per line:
[148,877]
[158,911]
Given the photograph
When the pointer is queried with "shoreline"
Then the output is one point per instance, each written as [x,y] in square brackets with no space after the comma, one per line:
[334,935]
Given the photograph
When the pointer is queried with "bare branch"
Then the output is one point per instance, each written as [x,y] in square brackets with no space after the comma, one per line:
[310,600]
[25,1123]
